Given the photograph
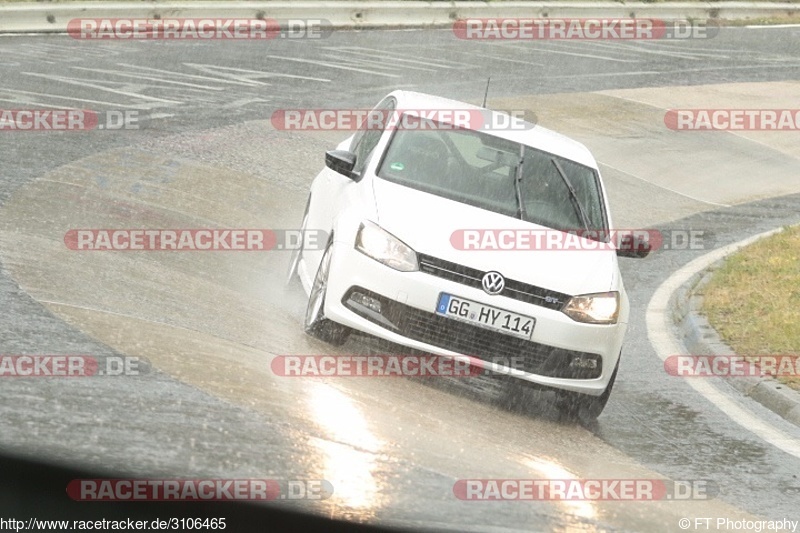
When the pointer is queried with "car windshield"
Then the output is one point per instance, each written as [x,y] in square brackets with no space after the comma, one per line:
[480,169]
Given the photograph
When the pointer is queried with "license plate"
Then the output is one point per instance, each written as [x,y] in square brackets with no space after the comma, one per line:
[485,316]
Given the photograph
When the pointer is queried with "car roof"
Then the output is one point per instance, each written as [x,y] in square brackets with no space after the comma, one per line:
[534,136]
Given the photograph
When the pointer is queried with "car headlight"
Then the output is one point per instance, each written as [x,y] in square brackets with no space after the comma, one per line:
[600,308]
[382,246]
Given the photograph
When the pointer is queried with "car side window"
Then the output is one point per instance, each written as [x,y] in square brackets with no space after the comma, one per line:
[367,138]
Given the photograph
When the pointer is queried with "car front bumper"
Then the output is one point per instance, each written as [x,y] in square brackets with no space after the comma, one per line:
[407,317]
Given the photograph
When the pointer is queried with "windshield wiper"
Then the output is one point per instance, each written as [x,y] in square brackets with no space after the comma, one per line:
[573,196]
[517,188]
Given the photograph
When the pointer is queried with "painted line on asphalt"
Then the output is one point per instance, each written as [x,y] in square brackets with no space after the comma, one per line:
[776,26]
[665,344]
[328,64]
[526,47]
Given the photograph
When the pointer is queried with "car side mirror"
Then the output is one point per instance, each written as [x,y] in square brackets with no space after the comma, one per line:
[343,162]
[629,246]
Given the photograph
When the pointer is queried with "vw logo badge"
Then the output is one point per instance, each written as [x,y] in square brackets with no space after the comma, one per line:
[493,282]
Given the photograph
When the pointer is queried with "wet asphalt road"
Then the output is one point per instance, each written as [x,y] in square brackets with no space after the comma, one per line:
[205,155]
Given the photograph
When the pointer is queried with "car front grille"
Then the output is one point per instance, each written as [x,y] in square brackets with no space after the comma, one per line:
[471,277]
[475,341]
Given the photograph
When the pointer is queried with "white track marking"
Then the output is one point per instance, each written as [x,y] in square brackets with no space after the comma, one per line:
[383,54]
[84,83]
[139,76]
[333,65]
[59,97]
[773,27]
[602,74]
[576,54]
[246,75]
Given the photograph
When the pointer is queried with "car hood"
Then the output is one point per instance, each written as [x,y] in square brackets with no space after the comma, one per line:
[427,222]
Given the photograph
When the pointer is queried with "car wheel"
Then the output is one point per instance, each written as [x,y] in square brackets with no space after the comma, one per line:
[316,324]
[297,255]
[584,406]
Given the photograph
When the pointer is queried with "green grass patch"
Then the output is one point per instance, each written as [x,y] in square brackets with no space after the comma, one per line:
[753,299]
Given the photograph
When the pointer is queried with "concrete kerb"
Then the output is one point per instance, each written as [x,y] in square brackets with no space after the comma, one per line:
[700,338]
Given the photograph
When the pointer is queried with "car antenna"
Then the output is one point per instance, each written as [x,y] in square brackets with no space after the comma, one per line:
[487,92]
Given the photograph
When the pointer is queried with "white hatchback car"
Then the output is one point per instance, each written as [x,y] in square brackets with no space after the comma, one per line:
[394,201]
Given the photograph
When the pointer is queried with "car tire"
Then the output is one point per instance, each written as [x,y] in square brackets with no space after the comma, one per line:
[297,255]
[315,323]
[584,406]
